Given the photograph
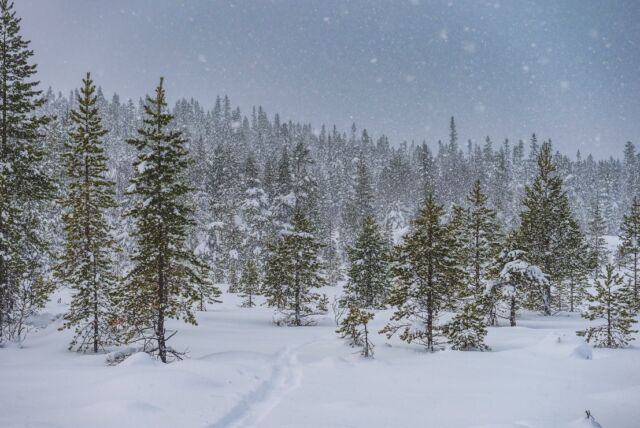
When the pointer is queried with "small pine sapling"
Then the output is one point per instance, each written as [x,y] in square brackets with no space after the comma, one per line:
[613,303]
[355,328]
[467,330]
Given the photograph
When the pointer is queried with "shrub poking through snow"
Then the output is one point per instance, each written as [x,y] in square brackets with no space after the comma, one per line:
[613,303]
[355,328]
[467,330]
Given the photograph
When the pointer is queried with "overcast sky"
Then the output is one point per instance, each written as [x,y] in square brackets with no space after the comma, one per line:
[568,70]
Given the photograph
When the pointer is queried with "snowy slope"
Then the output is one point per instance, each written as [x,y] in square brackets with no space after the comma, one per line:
[245,372]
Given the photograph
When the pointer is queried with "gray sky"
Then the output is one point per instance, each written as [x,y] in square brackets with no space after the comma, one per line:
[568,70]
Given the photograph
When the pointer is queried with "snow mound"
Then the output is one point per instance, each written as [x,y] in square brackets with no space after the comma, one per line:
[139,359]
[562,345]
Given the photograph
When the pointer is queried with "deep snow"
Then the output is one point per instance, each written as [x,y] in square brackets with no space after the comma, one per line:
[245,372]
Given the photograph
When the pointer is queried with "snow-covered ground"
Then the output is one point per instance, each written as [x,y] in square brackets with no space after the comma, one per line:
[245,372]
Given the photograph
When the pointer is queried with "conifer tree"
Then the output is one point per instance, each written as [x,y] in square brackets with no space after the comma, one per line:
[249,284]
[423,271]
[482,236]
[86,264]
[293,271]
[368,283]
[467,331]
[24,180]
[355,328]
[613,303]
[166,279]
[548,230]
[514,278]
[599,254]
[360,204]
[629,249]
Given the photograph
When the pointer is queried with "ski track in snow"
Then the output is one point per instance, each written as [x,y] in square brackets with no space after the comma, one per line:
[256,405]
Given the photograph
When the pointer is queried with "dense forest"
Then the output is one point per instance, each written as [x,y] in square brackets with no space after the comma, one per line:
[144,209]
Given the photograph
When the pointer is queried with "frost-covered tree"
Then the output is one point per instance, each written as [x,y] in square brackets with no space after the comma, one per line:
[629,249]
[254,210]
[467,330]
[249,284]
[86,264]
[167,279]
[613,304]
[423,271]
[514,278]
[293,271]
[25,182]
[368,282]
[355,328]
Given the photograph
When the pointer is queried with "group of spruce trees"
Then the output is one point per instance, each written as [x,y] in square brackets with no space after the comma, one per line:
[136,250]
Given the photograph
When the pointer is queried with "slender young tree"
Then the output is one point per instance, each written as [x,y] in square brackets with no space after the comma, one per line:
[24,182]
[482,237]
[598,252]
[629,249]
[166,279]
[249,284]
[368,283]
[612,303]
[86,264]
[423,271]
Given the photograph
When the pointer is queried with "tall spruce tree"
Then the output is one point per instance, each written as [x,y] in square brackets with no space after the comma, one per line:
[293,270]
[629,249]
[24,180]
[547,227]
[368,283]
[86,264]
[613,303]
[423,271]
[166,279]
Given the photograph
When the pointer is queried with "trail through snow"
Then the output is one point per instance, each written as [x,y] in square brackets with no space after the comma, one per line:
[256,405]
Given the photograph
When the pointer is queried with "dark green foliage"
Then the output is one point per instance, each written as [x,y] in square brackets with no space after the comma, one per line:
[249,284]
[612,303]
[360,204]
[355,328]
[466,331]
[368,283]
[423,273]
[548,232]
[86,264]
[167,279]
[24,182]
[293,271]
